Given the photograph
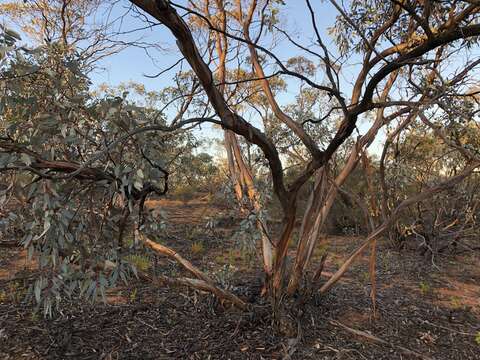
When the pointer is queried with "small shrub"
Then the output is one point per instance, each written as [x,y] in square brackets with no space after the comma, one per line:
[229,257]
[320,250]
[193,233]
[424,288]
[197,247]
[3,296]
[456,302]
[141,262]
[225,275]
[246,238]
[477,338]
[15,292]
[35,316]
[365,277]
[220,259]
[184,192]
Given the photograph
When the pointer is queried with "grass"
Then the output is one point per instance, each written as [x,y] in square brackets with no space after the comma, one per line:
[15,292]
[133,295]
[141,262]
[424,288]
[455,302]
[197,247]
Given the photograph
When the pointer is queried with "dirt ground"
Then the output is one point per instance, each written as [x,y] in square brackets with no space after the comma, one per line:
[423,311]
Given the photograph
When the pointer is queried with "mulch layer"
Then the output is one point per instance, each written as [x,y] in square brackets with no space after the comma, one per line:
[143,321]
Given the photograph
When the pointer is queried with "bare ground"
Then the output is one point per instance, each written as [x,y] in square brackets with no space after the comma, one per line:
[429,310]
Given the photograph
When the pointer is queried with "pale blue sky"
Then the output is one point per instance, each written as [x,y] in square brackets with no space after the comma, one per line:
[133,63]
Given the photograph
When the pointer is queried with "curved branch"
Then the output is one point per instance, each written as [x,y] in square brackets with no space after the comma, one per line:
[284,69]
[428,45]
[203,282]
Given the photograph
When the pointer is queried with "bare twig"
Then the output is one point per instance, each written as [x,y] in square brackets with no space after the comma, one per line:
[378,340]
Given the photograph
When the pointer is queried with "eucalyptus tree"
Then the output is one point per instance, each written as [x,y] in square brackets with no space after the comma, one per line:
[415,159]
[409,64]
[77,167]
[80,26]
[240,172]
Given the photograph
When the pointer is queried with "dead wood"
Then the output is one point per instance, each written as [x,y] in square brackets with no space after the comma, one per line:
[378,340]
[203,282]
[429,192]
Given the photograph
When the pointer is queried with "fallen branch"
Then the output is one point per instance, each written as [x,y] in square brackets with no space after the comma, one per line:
[373,280]
[449,329]
[428,193]
[377,340]
[164,250]
[197,285]
[202,283]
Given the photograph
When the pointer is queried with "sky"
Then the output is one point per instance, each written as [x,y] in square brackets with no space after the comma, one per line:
[133,63]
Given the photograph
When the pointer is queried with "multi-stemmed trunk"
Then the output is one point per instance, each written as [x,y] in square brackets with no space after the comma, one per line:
[373,73]
[245,191]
